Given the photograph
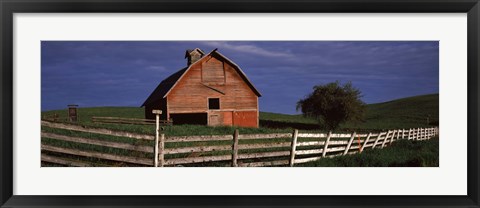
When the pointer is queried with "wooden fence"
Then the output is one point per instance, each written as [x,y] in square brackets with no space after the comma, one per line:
[237,150]
[135,121]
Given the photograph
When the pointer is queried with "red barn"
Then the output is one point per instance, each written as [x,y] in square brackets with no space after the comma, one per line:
[212,90]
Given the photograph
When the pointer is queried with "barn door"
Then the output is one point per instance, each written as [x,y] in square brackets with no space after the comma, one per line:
[214,119]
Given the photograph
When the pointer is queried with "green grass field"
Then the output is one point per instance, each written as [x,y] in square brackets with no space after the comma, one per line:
[403,113]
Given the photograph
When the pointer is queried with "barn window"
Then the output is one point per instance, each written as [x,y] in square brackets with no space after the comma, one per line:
[213,103]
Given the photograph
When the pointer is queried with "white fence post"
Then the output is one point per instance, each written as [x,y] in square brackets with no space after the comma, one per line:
[293,147]
[418,134]
[365,142]
[376,140]
[157,134]
[325,147]
[385,140]
[349,143]
[395,133]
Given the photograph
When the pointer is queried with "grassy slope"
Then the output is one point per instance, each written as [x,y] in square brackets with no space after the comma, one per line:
[411,112]
[402,113]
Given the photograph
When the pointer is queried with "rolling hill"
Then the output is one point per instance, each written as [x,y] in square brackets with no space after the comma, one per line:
[410,112]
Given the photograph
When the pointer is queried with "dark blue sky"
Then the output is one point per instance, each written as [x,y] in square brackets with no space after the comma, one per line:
[124,73]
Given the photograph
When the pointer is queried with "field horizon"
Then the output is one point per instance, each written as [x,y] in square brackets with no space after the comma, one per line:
[408,112]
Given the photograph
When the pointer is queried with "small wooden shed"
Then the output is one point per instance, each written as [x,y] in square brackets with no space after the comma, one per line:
[212,90]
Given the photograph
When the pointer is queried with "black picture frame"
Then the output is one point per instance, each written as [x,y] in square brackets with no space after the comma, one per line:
[9,7]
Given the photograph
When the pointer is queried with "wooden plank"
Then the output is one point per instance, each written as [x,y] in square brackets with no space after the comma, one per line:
[265,136]
[309,152]
[197,149]
[349,143]
[97,130]
[293,147]
[315,143]
[341,135]
[122,122]
[263,154]
[265,145]
[161,150]
[325,147]
[199,138]
[366,141]
[140,148]
[63,161]
[305,160]
[178,161]
[267,163]
[119,118]
[319,143]
[369,145]
[311,135]
[235,149]
[105,156]
[337,149]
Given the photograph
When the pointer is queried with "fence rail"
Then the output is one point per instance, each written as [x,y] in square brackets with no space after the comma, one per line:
[136,121]
[237,150]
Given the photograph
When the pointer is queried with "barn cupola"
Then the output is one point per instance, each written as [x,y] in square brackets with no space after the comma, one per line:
[193,55]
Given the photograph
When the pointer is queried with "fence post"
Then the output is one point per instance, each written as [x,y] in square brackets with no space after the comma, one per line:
[385,140]
[376,140]
[161,148]
[325,147]
[417,134]
[366,141]
[235,148]
[155,151]
[349,143]
[157,132]
[293,147]
[393,136]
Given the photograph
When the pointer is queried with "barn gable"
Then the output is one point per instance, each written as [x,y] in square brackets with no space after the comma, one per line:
[211,77]
[211,90]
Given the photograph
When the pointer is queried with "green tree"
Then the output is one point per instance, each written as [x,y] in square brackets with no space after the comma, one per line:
[333,104]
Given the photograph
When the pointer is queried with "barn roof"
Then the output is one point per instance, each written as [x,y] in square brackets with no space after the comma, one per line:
[164,88]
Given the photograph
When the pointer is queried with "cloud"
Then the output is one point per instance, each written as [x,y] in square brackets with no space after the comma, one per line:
[157,68]
[245,48]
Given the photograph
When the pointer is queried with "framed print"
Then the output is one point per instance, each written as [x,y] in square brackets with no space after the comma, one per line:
[247,104]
